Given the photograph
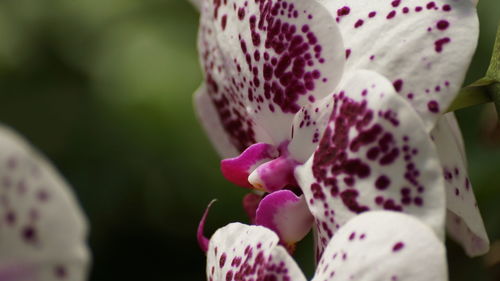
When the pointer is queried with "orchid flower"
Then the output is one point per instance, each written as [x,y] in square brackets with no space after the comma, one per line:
[377,245]
[42,229]
[334,102]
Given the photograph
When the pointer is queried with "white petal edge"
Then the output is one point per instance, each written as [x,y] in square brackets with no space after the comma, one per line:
[308,127]
[383,245]
[211,124]
[463,222]
[42,229]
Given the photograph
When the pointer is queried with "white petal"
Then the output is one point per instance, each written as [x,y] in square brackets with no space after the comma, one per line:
[207,114]
[220,108]
[42,229]
[375,154]
[464,222]
[308,127]
[264,60]
[423,47]
[242,252]
[383,245]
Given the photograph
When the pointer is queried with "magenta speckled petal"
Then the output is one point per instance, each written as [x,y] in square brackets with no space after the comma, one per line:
[42,229]
[263,60]
[308,127]
[207,115]
[237,170]
[383,245]
[242,252]
[374,155]
[286,214]
[464,222]
[423,47]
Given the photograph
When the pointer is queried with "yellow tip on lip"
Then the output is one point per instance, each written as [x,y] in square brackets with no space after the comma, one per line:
[258,186]
[290,247]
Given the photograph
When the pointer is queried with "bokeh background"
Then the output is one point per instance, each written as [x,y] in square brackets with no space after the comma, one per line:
[104,89]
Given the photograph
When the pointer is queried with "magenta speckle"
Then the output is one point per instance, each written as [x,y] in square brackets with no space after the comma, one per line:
[398,246]
[359,23]
[442,24]
[391,15]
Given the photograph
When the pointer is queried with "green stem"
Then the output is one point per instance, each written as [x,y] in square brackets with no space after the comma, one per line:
[494,68]
[475,94]
[495,95]
[484,90]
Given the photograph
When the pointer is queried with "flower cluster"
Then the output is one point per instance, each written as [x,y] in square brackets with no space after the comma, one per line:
[332,112]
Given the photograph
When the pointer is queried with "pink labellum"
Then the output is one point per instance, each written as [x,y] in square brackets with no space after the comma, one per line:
[274,175]
[286,214]
[237,170]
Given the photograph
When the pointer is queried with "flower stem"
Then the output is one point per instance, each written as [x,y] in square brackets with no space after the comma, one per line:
[484,90]
[494,68]
[475,94]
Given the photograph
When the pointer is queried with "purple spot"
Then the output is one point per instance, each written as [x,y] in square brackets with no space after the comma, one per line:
[391,15]
[29,234]
[398,246]
[224,22]
[433,106]
[344,11]
[359,23]
[347,53]
[398,85]
[222,260]
[438,45]
[382,182]
[60,272]
[442,24]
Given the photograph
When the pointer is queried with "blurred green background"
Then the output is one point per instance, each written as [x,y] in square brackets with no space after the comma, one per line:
[104,89]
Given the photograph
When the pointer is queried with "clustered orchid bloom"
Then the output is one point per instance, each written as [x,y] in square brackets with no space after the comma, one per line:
[42,229]
[330,109]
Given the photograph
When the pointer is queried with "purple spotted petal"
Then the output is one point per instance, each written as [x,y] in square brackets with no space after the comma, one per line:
[423,47]
[308,127]
[464,222]
[42,229]
[383,245]
[263,60]
[286,214]
[206,112]
[375,154]
[242,252]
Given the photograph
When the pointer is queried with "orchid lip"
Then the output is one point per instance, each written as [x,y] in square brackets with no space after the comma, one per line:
[274,175]
[262,167]
[237,169]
